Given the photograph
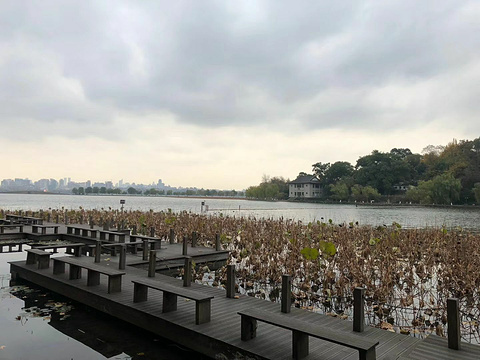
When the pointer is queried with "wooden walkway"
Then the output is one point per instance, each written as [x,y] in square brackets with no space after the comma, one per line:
[221,336]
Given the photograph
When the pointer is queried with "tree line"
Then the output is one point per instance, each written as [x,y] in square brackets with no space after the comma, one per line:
[439,175]
[155,192]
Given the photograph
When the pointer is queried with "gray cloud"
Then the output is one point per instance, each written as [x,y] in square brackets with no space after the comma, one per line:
[314,64]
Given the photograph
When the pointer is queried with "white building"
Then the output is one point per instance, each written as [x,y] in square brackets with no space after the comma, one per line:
[304,187]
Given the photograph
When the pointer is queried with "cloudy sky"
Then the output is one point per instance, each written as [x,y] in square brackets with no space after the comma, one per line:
[215,94]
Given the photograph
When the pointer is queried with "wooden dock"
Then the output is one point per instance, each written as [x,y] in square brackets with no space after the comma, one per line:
[221,336]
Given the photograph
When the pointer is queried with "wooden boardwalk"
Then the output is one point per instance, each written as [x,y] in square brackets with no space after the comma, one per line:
[222,335]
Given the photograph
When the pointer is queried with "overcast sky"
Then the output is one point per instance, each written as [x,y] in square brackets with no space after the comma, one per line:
[215,94]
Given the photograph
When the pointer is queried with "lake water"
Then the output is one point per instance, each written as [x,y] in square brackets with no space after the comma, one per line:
[42,325]
[407,216]
[37,324]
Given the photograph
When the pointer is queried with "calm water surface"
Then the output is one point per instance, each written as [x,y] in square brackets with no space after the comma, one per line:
[407,216]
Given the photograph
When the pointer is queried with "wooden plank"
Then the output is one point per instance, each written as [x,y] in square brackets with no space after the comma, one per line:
[222,333]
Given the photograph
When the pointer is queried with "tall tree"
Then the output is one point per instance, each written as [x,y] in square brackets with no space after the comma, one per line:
[381,171]
[320,169]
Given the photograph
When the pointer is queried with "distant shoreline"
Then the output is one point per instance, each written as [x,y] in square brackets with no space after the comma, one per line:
[126,195]
[216,197]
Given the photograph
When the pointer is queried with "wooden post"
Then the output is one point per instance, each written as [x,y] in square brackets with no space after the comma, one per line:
[152,231]
[49,217]
[184,251]
[90,221]
[145,250]
[300,345]
[194,239]
[230,281]
[134,229]
[286,293]
[248,328]
[152,262]
[98,251]
[66,218]
[123,257]
[172,236]
[358,309]
[218,245]
[187,271]
[57,219]
[453,323]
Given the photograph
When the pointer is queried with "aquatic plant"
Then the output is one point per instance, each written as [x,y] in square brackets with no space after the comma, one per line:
[408,274]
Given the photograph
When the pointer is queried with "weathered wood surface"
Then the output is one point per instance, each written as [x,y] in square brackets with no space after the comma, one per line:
[170,293]
[302,331]
[222,334]
[436,348]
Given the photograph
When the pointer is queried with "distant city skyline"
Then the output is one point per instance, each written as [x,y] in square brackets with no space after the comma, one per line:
[67,184]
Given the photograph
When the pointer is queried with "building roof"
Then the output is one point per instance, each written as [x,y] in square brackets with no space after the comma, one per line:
[309,179]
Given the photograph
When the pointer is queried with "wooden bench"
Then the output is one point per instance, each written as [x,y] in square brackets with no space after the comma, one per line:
[112,247]
[44,228]
[111,235]
[77,248]
[10,226]
[20,219]
[170,293]
[93,271]
[38,256]
[81,231]
[152,239]
[302,330]
[11,245]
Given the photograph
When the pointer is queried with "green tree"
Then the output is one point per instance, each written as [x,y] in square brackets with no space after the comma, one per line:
[81,191]
[269,189]
[420,194]
[382,171]
[445,189]
[95,190]
[131,190]
[442,189]
[75,191]
[364,193]
[338,171]
[339,191]
[88,190]
[103,190]
[320,169]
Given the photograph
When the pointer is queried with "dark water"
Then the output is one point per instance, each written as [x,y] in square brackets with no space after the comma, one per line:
[37,324]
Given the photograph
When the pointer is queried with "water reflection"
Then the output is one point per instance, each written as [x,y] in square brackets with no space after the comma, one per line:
[57,328]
